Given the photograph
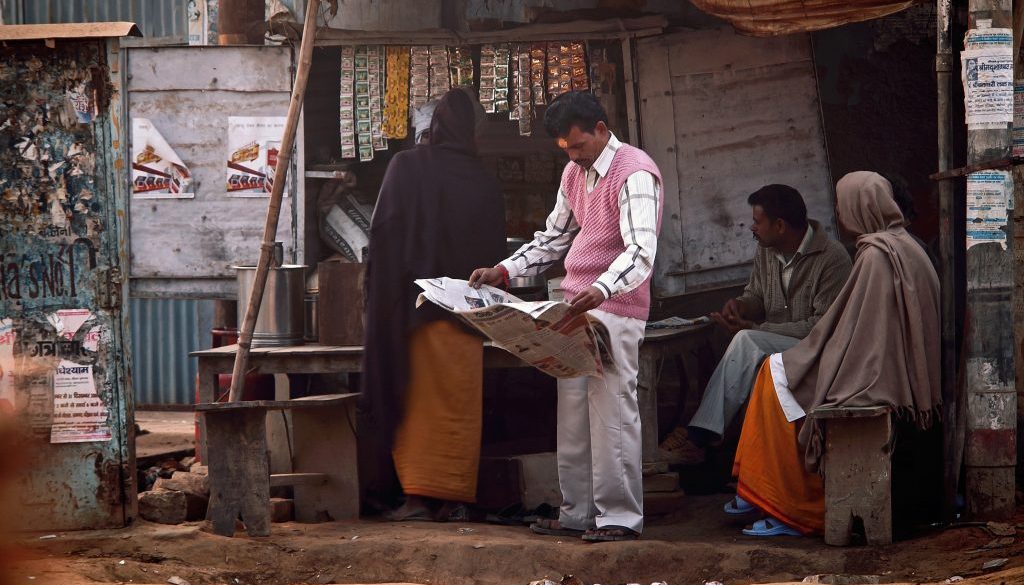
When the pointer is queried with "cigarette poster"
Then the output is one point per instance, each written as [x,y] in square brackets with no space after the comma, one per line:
[7,338]
[987,196]
[157,172]
[79,415]
[987,73]
[253,146]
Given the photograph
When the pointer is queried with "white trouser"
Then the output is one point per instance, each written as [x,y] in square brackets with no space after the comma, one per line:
[599,445]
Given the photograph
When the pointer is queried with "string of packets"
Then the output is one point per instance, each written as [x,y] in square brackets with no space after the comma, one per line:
[380,86]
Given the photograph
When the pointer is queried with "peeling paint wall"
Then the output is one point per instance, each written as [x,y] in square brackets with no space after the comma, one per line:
[63,369]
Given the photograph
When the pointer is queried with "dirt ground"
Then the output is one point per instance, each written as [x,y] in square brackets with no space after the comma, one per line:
[696,545]
[164,432]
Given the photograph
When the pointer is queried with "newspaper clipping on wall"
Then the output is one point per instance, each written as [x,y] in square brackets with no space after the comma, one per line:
[540,333]
[989,201]
[987,73]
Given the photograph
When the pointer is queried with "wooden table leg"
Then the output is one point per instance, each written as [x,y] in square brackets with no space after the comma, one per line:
[239,472]
[647,397]
[207,373]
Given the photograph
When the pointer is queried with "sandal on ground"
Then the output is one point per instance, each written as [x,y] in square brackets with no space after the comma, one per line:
[404,514]
[770,527]
[610,534]
[738,506]
[550,527]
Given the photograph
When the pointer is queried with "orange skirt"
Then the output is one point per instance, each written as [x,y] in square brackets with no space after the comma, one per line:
[437,444]
[770,464]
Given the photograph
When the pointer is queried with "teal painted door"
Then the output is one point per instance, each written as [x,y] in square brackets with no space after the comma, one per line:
[64,382]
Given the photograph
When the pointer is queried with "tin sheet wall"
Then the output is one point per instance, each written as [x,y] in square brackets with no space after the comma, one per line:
[63,356]
[186,247]
[745,113]
[156,18]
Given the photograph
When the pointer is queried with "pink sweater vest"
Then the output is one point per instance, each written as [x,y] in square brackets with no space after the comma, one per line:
[599,241]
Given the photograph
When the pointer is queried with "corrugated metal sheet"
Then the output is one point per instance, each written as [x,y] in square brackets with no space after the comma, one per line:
[156,18]
[164,331]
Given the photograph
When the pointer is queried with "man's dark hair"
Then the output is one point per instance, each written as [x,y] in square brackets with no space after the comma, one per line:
[901,194]
[781,202]
[574,108]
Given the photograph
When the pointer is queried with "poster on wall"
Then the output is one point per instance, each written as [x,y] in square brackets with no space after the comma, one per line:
[987,74]
[79,415]
[253,146]
[196,10]
[987,195]
[7,338]
[157,172]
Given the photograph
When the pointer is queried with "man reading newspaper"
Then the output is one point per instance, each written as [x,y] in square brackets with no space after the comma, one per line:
[607,217]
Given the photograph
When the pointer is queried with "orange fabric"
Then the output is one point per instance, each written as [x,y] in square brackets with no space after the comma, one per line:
[770,463]
[437,444]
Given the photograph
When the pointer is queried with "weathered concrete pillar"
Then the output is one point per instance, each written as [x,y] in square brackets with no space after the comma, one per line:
[990,454]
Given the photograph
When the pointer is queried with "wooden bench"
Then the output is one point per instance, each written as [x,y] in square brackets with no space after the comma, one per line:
[858,472]
[324,461]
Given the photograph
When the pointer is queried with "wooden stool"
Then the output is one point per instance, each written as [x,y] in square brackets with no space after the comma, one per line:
[325,478]
[858,472]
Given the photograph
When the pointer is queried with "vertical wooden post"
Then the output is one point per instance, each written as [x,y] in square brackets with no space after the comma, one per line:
[953,438]
[276,194]
[991,394]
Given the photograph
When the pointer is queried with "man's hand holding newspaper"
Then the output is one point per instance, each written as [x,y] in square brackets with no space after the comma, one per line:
[548,335]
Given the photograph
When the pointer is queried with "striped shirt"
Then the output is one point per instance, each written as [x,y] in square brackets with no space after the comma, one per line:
[638,222]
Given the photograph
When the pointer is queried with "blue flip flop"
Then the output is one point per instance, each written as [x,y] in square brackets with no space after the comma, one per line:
[738,506]
[770,527]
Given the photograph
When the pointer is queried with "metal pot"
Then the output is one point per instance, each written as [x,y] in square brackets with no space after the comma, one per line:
[281,320]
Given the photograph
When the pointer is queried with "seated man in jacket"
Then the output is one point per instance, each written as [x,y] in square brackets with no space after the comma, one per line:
[798,271]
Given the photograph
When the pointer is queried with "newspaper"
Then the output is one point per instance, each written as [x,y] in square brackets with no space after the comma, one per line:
[540,333]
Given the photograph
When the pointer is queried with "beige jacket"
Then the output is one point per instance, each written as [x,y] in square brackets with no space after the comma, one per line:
[818,276]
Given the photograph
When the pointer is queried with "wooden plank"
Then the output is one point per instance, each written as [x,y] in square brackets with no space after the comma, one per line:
[210,68]
[297,479]
[307,402]
[238,471]
[659,142]
[325,442]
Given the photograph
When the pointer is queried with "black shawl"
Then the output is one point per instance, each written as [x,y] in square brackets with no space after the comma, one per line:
[439,213]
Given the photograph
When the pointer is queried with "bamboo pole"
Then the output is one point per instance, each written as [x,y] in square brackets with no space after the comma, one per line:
[274,207]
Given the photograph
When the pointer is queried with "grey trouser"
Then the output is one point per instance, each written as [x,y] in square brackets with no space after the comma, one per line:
[733,379]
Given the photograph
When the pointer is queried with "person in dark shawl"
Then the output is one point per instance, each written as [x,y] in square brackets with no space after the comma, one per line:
[878,345]
[439,213]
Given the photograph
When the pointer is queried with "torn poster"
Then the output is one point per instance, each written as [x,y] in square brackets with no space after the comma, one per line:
[79,415]
[94,337]
[157,172]
[987,75]
[7,339]
[987,194]
[253,146]
[80,97]
[67,322]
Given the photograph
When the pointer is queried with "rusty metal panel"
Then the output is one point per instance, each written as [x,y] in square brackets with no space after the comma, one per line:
[156,18]
[61,218]
[186,247]
[29,32]
[745,114]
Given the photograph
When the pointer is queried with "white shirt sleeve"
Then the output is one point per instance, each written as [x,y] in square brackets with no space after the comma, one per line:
[639,200]
[549,245]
